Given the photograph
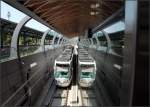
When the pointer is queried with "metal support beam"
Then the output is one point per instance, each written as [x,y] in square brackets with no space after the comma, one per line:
[91,41]
[53,41]
[2,37]
[108,40]
[61,41]
[43,39]
[58,40]
[88,41]
[119,15]
[97,41]
[131,8]
[15,37]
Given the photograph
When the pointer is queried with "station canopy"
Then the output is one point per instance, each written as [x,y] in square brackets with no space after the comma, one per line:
[72,17]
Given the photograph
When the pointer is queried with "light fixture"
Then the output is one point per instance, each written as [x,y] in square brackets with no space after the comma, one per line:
[94,6]
[96,13]
[97,5]
[92,13]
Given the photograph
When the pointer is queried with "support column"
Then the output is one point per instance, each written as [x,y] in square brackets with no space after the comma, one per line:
[61,41]
[13,50]
[53,41]
[141,81]
[91,41]
[127,82]
[109,44]
[97,41]
[58,40]
[2,37]
[43,39]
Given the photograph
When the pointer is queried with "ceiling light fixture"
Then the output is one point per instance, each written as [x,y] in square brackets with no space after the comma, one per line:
[94,6]
[92,13]
[97,5]
[96,13]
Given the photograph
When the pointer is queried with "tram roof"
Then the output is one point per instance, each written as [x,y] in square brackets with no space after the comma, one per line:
[64,58]
[85,58]
[70,17]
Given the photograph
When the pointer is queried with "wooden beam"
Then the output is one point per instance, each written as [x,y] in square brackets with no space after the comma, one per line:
[35,4]
[61,15]
[67,11]
[29,2]
[56,10]
[63,20]
[46,8]
[48,3]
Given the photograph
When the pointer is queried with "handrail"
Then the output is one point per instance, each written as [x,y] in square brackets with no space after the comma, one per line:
[31,89]
[18,90]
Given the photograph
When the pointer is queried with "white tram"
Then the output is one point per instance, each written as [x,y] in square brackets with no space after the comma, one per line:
[86,69]
[63,68]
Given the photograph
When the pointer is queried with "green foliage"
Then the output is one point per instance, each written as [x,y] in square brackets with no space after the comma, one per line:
[7,39]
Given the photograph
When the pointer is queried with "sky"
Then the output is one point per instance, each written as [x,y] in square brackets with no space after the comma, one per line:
[17,15]
[115,27]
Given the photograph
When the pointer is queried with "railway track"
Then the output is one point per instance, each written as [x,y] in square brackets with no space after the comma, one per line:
[71,96]
[88,98]
[60,97]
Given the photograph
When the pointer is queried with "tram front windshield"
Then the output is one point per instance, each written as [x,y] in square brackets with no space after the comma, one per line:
[61,74]
[62,71]
[87,71]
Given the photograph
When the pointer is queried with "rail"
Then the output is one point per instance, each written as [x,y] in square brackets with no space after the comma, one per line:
[60,94]
[22,87]
[66,102]
[82,99]
[88,98]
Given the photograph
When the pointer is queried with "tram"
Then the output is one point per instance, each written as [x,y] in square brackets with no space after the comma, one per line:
[86,69]
[63,68]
